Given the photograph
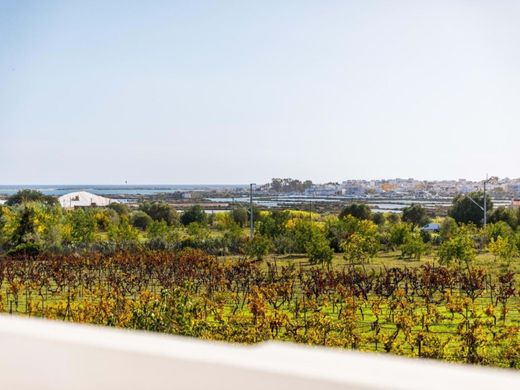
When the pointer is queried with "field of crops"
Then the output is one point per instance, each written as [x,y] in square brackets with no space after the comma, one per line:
[457,314]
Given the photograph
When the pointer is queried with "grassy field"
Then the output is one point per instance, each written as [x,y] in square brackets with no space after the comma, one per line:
[385,260]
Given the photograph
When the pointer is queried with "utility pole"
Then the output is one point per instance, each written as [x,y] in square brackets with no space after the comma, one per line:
[485,201]
[310,209]
[484,207]
[251,221]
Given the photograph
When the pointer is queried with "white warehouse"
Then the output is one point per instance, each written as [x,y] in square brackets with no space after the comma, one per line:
[83,199]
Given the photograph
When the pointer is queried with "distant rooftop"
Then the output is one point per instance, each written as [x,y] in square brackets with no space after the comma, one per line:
[84,199]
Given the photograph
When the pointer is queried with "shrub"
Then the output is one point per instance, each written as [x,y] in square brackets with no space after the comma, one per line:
[194,214]
[140,220]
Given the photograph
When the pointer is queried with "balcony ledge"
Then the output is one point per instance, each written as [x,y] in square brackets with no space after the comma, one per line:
[42,354]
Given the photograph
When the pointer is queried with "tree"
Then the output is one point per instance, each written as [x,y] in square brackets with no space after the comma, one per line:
[257,215]
[459,248]
[239,215]
[25,237]
[223,221]
[289,185]
[259,246]
[31,227]
[378,218]
[161,236]
[505,214]
[362,245]
[120,208]
[124,235]
[7,223]
[106,217]
[448,229]
[398,234]
[359,249]
[160,211]
[24,196]
[504,248]
[53,231]
[198,231]
[357,210]
[413,246]
[464,210]
[339,230]
[233,240]
[318,249]
[276,185]
[83,226]
[274,223]
[141,220]
[194,214]
[496,230]
[393,218]
[306,236]
[416,215]
[286,243]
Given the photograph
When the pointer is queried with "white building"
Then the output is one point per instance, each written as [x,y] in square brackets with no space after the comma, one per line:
[83,199]
[431,227]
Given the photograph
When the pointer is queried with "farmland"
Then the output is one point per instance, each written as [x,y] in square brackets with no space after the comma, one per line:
[414,308]
[358,280]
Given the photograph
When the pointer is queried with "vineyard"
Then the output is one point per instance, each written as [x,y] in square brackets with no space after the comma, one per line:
[454,313]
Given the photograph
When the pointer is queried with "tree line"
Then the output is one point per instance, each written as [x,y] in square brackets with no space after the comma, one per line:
[31,223]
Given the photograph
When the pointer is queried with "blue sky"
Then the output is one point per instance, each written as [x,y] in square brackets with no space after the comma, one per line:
[242,91]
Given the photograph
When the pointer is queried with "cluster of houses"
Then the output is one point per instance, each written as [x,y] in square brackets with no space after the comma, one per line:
[416,188]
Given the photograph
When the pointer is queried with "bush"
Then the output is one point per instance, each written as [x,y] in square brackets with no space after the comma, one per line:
[233,241]
[413,246]
[416,215]
[25,196]
[504,249]
[378,218]
[259,246]
[495,230]
[505,214]
[140,220]
[357,210]
[449,229]
[360,248]
[124,235]
[318,250]
[240,216]
[285,243]
[24,250]
[398,234]
[160,211]
[120,208]
[460,248]
[161,236]
[194,214]
[84,226]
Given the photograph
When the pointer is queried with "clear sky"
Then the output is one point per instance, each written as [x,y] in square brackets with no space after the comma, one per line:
[243,91]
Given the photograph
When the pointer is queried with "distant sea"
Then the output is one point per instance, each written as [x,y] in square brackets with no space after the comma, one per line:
[105,189]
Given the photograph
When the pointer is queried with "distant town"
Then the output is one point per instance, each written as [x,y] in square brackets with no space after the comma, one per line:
[398,188]
[385,195]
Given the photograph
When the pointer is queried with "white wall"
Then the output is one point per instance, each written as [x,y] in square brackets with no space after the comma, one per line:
[39,354]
